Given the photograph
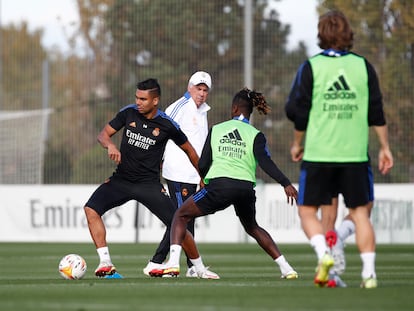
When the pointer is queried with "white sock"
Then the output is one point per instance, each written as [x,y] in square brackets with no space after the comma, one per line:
[104,256]
[198,264]
[346,229]
[175,252]
[318,244]
[368,265]
[283,264]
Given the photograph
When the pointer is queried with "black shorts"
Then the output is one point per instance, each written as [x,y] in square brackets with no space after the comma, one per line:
[335,193]
[319,182]
[117,191]
[179,191]
[220,193]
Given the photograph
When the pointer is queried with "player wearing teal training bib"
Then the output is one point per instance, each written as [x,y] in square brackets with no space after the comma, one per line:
[334,99]
[228,164]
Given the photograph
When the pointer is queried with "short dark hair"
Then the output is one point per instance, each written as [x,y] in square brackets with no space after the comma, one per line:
[334,31]
[151,85]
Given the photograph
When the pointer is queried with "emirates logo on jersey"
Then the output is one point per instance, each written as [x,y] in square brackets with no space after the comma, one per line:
[156,131]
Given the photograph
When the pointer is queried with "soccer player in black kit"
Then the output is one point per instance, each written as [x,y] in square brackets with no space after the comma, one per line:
[137,176]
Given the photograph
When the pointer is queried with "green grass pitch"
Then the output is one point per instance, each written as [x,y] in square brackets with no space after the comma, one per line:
[29,280]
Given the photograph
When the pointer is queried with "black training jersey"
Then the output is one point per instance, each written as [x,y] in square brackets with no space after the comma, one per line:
[143,143]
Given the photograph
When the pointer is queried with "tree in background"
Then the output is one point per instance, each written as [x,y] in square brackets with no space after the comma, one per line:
[79,98]
[130,40]
[22,56]
[170,40]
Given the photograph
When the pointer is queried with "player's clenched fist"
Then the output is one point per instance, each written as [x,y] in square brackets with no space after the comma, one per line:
[114,154]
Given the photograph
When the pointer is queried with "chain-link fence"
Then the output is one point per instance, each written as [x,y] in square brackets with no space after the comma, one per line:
[128,41]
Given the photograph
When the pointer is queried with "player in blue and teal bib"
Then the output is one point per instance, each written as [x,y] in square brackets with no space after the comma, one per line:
[228,164]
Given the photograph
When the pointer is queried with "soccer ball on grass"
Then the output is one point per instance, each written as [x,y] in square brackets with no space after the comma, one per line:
[72,267]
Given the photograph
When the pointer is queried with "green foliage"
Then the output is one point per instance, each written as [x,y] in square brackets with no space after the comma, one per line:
[57,166]
[131,40]
[22,56]
[170,40]
[93,160]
